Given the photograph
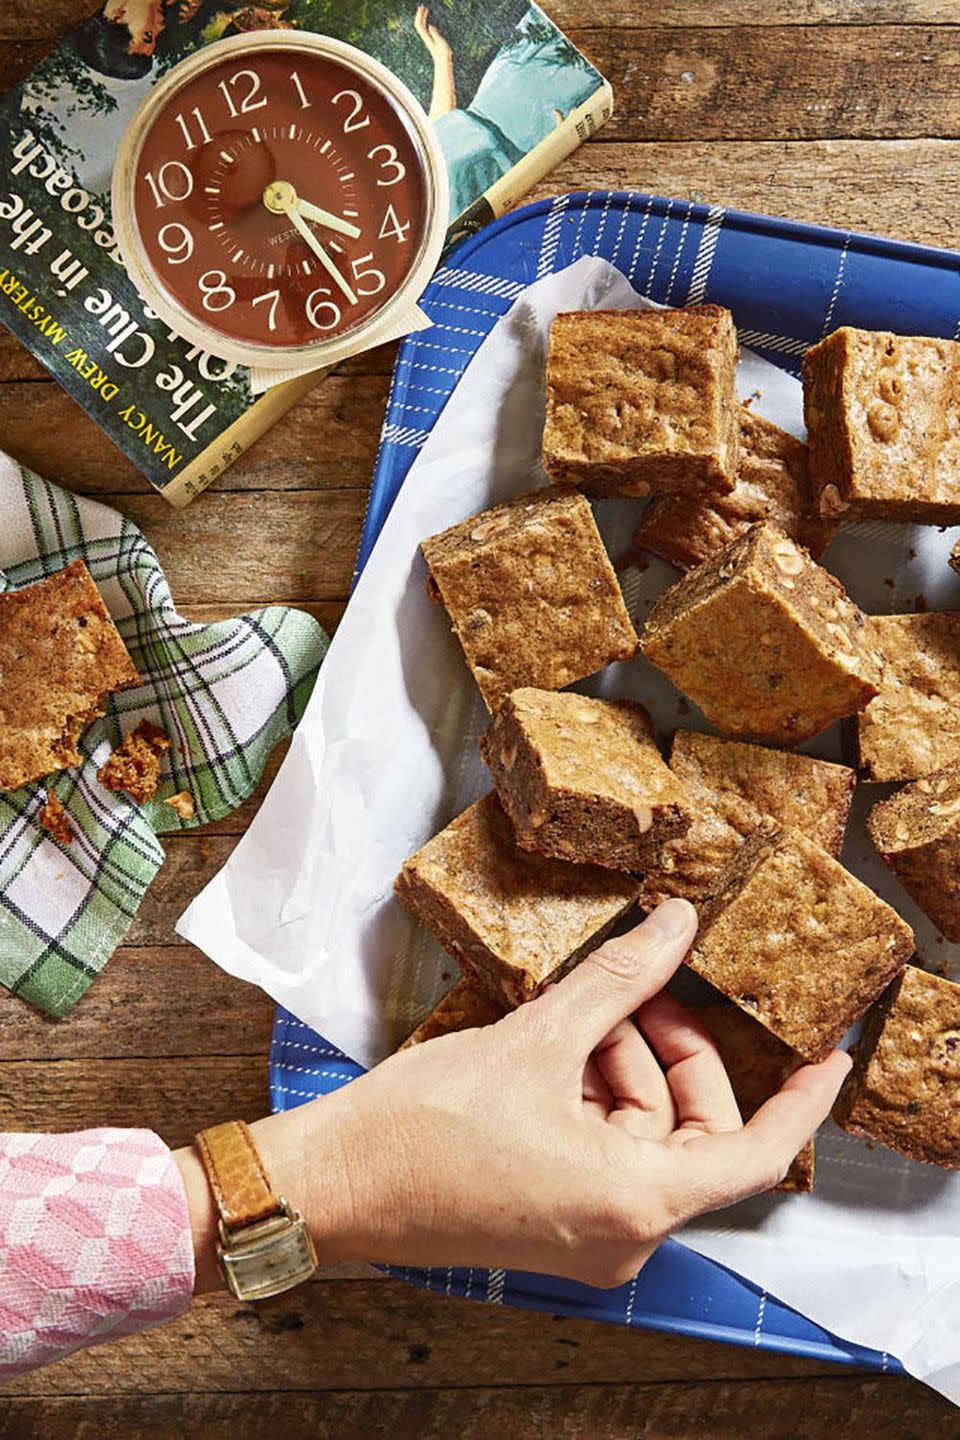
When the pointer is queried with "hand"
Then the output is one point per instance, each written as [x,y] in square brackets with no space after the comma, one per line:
[330,221]
[565,1139]
[436,43]
[281,198]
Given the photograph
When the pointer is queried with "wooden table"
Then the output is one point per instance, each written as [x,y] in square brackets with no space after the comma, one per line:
[823,110]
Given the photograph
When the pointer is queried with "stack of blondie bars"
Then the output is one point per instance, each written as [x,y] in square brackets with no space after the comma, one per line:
[585,819]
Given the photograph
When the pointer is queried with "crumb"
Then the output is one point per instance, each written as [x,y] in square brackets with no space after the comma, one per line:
[134,767]
[55,820]
[182,802]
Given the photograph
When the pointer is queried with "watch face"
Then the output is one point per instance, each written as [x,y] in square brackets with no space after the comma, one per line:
[280,197]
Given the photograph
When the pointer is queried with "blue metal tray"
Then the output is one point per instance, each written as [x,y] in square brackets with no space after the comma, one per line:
[787,285]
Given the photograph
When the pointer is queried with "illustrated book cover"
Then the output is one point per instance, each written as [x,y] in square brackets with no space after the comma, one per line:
[509,96]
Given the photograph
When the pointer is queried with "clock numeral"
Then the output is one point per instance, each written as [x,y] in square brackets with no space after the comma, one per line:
[248,101]
[316,307]
[177,250]
[391,163]
[213,285]
[377,277]
[355,120]
[393,228]
[273,298]
[304,102]
[197,114]
[173,181]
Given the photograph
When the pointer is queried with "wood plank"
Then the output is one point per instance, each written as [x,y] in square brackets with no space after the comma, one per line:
[758,82]
[176,1097]
[680,14]
[890,1409]
[326,442]
[385,1335]
[242,550]
[329,613]
[192,860]
[136,1008]
[887,187]
[805,82]
[22,19]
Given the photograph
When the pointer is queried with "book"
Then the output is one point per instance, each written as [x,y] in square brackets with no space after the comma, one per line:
[508,93]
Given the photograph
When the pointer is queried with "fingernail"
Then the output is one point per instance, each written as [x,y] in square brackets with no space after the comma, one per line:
[670,920]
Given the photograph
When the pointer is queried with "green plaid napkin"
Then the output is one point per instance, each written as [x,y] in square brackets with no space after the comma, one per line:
[224,693]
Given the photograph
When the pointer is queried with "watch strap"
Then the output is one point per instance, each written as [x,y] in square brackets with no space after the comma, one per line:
[237,1177]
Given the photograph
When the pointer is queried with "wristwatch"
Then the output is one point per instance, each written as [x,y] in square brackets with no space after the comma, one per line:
[264,1246]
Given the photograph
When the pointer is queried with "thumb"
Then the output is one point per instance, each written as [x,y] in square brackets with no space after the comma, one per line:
[618,977]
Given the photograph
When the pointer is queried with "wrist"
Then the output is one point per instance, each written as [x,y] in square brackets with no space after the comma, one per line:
[303,1158]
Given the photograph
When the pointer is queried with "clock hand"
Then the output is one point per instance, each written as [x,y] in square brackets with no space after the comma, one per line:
[281,199]
[332,222]
[321,254]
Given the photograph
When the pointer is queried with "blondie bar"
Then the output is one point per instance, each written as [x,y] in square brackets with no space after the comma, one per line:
[904,1089]
[733,790]
[512,919]
[642,400]
[913,725]
[772,484]
[797,942]
[60,657]
[467,1006]
[531,593]
[757,1064]
[766,642]
[884,426]
[583,780]
[917,831]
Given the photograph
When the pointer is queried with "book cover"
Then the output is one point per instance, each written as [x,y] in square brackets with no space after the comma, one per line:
[509,96]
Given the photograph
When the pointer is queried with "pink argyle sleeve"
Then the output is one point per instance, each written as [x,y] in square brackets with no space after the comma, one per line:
[95,1242]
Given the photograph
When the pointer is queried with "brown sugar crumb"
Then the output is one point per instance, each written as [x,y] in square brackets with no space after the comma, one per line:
[757,1064]
[642,401]
[797,941]
[765,641]
[904,1089]
[733,790]
[882,419]
[772,484]
[912,727]
[55,820]
[134,767]
[917,832]
[512,919]
[467,1006]
[955,558]
[183,803]
[60,657]
[531,593]
[583,780]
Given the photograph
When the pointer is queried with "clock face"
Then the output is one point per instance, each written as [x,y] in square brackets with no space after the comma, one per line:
[280,197]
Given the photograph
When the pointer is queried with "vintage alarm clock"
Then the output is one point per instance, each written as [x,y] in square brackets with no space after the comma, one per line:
[280,199]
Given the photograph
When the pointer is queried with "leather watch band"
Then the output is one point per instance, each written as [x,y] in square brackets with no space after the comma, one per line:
[264,1246]
[237,1177]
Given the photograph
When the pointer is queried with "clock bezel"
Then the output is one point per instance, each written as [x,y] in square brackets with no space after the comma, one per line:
[382,322]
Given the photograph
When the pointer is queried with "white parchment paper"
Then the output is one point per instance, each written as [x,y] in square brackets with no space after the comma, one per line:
[386,755]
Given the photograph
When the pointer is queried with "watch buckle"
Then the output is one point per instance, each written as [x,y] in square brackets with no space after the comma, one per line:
[267,1256]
